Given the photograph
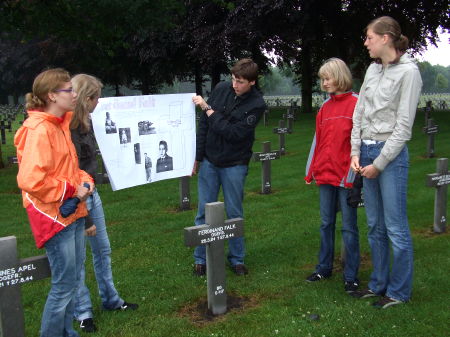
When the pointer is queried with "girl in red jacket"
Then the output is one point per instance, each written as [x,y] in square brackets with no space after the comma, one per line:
[329,165]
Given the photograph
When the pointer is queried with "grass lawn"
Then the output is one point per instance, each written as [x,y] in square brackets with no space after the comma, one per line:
[153,268]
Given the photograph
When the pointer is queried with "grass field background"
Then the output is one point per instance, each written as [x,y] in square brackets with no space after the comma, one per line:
[153,268]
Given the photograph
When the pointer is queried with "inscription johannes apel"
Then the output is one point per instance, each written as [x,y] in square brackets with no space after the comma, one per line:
[11,276]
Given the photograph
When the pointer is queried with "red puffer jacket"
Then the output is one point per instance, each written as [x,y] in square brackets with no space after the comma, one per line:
[329,157]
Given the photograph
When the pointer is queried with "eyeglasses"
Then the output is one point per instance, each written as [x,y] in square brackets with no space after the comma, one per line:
[64,90]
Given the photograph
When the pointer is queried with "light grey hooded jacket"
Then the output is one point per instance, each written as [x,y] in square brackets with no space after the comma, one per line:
[386,108]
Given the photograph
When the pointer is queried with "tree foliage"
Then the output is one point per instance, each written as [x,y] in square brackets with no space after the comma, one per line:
[145,43]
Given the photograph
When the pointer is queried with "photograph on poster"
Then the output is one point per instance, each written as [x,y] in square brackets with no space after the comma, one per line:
[161,129]
[110,126]
[145,128]
[125,136]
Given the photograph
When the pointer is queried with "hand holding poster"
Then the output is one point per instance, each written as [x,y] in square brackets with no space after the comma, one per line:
[145,138]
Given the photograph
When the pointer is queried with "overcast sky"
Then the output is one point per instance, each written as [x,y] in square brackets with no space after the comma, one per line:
[439,55]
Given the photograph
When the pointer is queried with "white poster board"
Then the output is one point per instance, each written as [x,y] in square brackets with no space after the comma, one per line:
[144,139]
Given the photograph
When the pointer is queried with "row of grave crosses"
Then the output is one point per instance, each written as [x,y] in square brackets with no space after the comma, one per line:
[14,272]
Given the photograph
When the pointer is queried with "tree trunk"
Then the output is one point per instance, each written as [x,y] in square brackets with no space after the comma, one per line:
[198,79]
[3,98]
[306,80]
[1,158]
[215,76]
[117,87]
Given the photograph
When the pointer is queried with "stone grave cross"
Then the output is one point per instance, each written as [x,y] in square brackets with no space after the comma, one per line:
[431,129]
[3,127]
[265,157]
[185,194]
[13,273]
[440,180]
[212,235]
[290,117]
[281,130]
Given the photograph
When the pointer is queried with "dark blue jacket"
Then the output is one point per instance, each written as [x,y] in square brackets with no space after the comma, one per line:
[226,137]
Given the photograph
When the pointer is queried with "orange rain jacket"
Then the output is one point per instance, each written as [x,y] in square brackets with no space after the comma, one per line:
[48,173]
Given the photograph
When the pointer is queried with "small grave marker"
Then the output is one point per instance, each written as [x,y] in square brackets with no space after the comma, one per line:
[266,117]
[440,180]
[212,235]
[3,127]
[428,109]
[13,160]
[265,157]
[102,176]
[290,116]
[281,130]
[431,129]
[13,273]
[185,194]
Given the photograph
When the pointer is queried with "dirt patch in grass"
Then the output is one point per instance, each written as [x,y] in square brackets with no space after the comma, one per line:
[258,192]
[365,264]
[428,233]
[199,314]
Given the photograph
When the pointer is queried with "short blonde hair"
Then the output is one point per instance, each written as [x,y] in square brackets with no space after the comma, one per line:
[337,70]
[87,87]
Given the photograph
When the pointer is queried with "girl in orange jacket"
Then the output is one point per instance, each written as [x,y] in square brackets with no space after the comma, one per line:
[49,176]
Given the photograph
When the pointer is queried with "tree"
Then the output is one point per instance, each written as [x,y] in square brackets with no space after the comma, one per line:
[441,83]
[98,40]
[312,31]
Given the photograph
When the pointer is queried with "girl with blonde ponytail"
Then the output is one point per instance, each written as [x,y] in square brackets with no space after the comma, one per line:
[88,89]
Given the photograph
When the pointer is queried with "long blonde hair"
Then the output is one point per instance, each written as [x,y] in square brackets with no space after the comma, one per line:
[87,88]
[47,81]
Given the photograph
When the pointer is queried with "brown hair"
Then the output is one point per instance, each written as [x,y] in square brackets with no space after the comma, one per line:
[87,88]
[246,69]
[337,70]
[387,25]
[47,81]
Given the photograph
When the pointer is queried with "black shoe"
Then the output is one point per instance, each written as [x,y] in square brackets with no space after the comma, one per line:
[199,270]
[351,286]
[239,269]
[87,325]
[386,302]
[128,306]
[316,277]
[365,293]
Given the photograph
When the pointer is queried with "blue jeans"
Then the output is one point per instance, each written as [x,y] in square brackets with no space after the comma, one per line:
[232,179]
[330,196]
[385,203]
[65,255]
[101,259]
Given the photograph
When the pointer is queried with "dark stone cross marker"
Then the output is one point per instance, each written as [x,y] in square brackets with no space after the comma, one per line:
[3,127]
[13,273]
[265,157]
[101,177]
[428,109]
[290,116]
[266,117]
[281,130]
[185,194]
[212,235]
[431,129]
[440,180]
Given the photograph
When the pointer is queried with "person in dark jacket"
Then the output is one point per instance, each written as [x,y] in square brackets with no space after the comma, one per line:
[329,167]
[88,89]
[225,137]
